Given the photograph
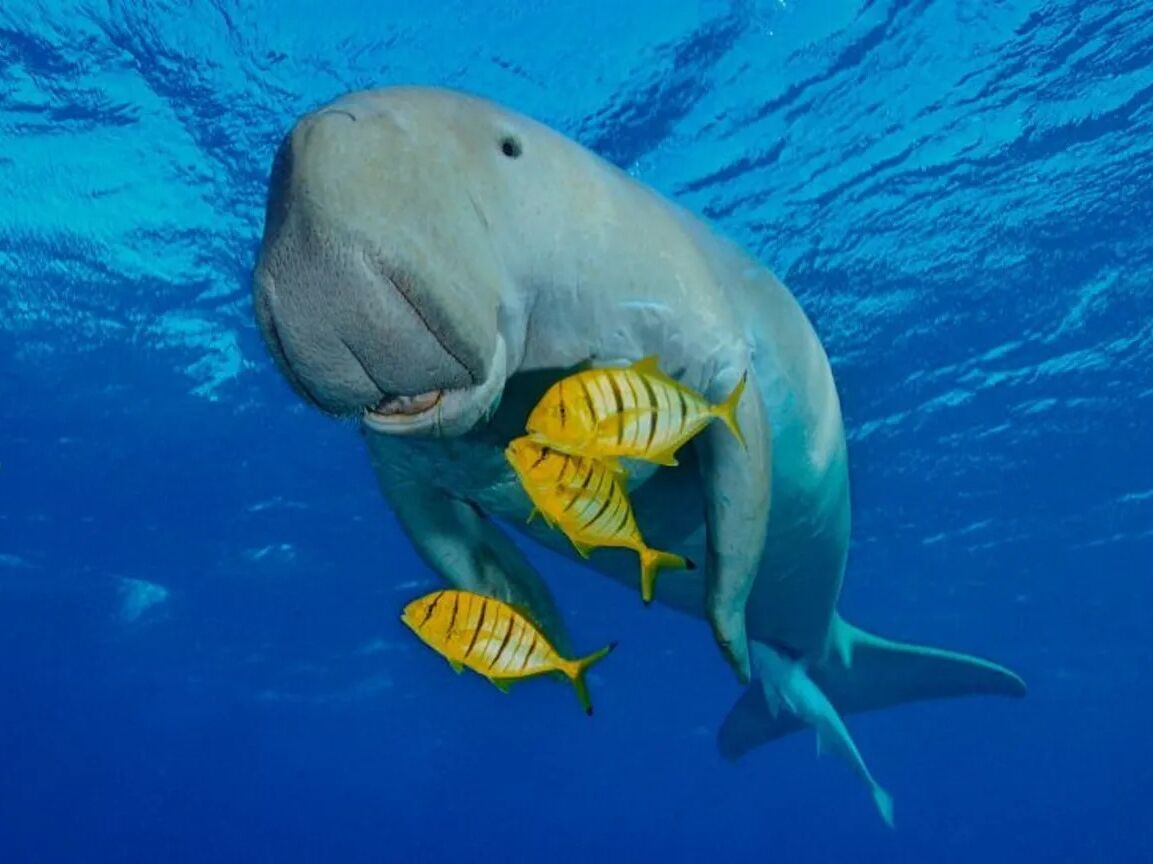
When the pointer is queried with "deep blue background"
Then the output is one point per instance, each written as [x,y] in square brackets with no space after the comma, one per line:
[200,657]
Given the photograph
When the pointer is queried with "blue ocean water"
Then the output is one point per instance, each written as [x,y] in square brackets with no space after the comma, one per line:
[200,651]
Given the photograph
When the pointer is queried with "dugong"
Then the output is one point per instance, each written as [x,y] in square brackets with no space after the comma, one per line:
[432,262]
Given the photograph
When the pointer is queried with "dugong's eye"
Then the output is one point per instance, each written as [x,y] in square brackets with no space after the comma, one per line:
[510,146]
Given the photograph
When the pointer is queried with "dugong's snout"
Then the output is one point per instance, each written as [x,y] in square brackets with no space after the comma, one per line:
[361,290]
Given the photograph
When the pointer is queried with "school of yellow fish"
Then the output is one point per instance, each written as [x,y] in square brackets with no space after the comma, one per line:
[568,464]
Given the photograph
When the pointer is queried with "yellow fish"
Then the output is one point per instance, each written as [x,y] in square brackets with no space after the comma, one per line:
[493,639]
[636,411]
[587,501]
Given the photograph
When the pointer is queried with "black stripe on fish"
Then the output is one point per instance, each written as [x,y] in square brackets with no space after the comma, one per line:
[479,626]
[630,378]
[528,653]
[588,397]
[624,520]
[519,638]
[503,642]
[604,506]
[589,476]
[576,494]
[452,618]
[544,451]
[431,608]
[616,501]
[616,388]
[654,405]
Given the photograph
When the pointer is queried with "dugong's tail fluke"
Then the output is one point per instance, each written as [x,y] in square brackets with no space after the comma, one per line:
[863,672]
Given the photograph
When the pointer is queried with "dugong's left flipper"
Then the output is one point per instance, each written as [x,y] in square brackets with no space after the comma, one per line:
[736,482]
[467,549]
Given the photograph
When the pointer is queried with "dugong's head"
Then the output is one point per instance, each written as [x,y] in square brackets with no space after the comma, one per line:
[382,285]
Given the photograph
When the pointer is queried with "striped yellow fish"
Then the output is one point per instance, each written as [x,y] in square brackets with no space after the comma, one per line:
[493,639]
[587,501]
[636,411]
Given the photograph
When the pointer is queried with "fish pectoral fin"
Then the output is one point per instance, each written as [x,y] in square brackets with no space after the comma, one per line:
[614,424]
[457,666]
[501,684]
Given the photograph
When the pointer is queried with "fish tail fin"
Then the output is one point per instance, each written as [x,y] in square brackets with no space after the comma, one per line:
[576,669]
[727,410]
[653,560]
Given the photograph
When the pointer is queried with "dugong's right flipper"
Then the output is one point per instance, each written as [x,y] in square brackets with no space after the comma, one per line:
[472,553]
[736,481]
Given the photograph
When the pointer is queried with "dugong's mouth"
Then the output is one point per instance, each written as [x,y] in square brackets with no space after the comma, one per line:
[444,412]
[391,411]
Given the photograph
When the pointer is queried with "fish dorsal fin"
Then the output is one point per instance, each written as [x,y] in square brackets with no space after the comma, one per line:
[522,611]
[650,366]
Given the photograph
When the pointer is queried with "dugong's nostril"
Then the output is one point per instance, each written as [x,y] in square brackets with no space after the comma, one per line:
[329,111]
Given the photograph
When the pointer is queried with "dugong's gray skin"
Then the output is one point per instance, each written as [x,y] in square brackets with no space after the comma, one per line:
[423,242]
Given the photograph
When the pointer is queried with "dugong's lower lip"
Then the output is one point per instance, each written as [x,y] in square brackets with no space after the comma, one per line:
[395,411]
